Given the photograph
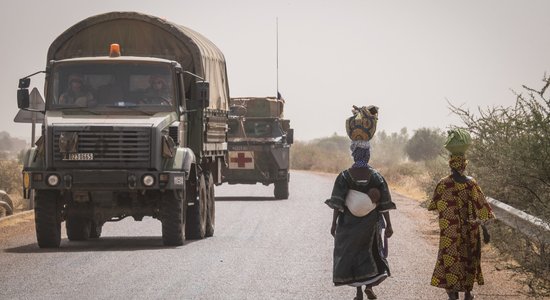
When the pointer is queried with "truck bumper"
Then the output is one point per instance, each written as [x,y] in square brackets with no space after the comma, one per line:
[103,180]
[233,176]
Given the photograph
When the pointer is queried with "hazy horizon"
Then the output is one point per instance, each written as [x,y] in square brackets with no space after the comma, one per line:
[409,58]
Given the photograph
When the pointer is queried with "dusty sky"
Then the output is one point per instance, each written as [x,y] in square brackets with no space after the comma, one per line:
[407,57]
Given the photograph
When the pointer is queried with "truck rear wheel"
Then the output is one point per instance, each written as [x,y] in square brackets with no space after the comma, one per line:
[281,189]
[47,217]
[173,217]
[210,206]
[78,228]
[197,214]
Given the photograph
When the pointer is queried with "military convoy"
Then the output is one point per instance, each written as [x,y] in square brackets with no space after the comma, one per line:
[110,148]
[259,140]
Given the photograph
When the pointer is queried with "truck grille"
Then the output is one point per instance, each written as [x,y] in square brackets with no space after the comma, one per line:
[112,147]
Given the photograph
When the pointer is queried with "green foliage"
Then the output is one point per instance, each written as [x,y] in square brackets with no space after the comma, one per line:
[510,155]
[425,144]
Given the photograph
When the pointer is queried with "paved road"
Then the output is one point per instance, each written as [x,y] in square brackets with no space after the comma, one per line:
[262,249]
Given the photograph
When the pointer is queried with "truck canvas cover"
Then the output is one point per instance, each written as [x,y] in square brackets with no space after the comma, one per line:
[147,36]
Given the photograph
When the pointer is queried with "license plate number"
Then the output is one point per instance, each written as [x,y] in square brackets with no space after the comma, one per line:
[81,156]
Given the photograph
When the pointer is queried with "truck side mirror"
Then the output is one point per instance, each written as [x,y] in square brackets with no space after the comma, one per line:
[23,98]
[203,93]
[24,83]
[290,136]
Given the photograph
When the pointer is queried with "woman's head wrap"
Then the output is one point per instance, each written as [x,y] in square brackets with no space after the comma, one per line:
[458,163]
[360,128]
[360,150]
[362,125]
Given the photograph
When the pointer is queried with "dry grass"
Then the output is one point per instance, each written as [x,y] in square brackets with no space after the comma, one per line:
[409,187]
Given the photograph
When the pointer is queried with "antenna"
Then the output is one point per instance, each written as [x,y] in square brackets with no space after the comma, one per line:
[278,97]
[277,54]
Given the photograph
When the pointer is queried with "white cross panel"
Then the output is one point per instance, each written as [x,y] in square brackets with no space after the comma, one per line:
[241,160]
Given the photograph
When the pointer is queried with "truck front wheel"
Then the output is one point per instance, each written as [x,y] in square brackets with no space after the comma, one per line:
[47,216]
[173,217]
[281,189]
[197,213]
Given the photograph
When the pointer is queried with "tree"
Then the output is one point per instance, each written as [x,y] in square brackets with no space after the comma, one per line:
[425,144]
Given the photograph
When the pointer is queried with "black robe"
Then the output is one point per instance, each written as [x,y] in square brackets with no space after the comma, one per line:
[358,258]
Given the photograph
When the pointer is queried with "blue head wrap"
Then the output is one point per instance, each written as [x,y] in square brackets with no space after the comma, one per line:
[360,150]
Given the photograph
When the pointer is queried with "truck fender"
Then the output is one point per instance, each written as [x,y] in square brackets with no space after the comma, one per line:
[33,160]
[182,161]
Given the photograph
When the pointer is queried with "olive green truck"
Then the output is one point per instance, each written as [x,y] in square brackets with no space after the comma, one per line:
[259,141]
[134,125]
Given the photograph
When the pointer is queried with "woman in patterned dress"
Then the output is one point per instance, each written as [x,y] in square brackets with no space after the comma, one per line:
[462,208]
[358,255]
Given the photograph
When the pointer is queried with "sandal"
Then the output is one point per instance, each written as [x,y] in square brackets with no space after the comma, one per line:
[452,295]
[370,294]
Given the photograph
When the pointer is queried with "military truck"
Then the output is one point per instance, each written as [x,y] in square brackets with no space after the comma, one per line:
[259,140]
[111,147]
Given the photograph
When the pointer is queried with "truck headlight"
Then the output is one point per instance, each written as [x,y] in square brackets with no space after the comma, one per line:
[148,180]
[53,180]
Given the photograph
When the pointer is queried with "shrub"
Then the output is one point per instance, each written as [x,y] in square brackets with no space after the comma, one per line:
[425,144]
[330,154]
[510,155]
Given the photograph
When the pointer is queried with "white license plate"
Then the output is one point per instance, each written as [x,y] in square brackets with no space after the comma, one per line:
[80,156]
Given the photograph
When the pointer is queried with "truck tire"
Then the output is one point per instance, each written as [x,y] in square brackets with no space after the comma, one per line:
[95,230]
[281,190]
[78,228]
[47,217]
[210,206]
[197,214]
[173,217]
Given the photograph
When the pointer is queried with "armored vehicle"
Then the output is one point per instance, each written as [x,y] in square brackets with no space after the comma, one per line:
[259,140]
[134,124]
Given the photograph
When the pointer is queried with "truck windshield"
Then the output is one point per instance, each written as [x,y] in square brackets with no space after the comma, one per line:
[259,128]
[112,86]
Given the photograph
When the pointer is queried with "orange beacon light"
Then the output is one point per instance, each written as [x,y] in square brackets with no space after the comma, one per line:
[114,50]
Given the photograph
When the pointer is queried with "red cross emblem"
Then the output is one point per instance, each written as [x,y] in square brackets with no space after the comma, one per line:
[241,160]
